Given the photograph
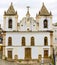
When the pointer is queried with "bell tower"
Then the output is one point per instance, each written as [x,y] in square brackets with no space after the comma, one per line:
[10,19]
[44,19]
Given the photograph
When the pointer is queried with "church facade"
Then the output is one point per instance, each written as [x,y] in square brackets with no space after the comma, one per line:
[29,38]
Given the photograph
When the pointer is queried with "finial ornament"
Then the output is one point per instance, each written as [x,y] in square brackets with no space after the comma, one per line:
[43,3]
[11,3]
[28,8]
[28,14]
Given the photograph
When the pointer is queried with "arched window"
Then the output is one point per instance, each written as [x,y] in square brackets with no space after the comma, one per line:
[10,23]
[45,23]
[45,41]
[32,41]
[9,41]
[23,41]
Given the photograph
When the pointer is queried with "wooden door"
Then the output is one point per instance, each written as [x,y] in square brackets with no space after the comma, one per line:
[27,53]
[45,53]
[9,54]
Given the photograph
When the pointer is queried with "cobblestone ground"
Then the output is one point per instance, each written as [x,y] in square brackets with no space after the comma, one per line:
[4,62]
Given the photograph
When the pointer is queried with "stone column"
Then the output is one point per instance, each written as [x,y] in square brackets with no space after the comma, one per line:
[3,57]
[51,42]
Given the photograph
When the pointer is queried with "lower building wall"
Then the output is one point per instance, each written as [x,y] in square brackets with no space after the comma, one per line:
[20,52]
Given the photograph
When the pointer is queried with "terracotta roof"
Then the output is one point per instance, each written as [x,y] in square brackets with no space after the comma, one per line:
[44,11]
[10,11]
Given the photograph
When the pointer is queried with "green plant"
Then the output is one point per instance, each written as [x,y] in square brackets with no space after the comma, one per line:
[5,58]
[50,57]
[53,61]
[20,60]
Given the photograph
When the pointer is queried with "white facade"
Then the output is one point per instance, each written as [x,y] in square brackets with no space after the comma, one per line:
[19,50]
[28,27]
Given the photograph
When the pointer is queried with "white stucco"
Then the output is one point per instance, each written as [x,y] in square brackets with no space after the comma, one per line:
[17,48]
[28,27]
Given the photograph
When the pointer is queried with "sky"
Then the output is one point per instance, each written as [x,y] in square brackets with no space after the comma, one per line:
[35,6]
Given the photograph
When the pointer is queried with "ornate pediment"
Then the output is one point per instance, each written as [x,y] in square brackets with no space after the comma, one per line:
[44,11]
[10,11]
